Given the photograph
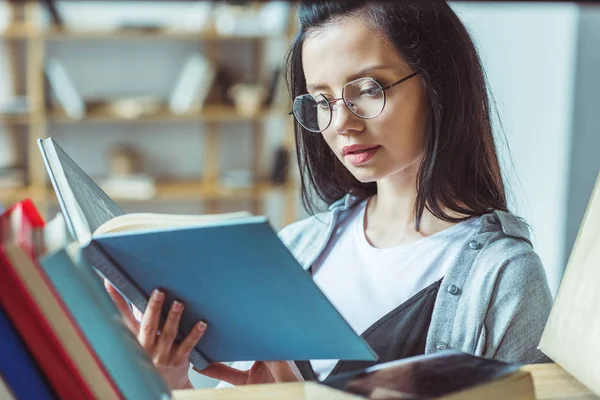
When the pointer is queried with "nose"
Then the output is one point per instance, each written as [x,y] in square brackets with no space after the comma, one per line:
[343,120]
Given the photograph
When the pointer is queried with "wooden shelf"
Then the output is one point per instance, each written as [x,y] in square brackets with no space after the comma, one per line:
[208,114]
[23,31]
[196,190]
[14,119]
[137,34]
[17,31]
[9,196]
[167,191]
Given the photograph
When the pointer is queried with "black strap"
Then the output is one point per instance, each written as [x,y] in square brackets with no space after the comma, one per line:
[306,370]
[400,333]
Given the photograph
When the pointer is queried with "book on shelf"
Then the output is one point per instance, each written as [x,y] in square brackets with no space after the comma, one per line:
[64,89]
[134,186]
[230,270]
[193,85]
[15,106]
[12,177]
[573,328]
[65,318]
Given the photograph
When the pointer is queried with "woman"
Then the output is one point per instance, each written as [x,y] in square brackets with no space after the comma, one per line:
[418,249]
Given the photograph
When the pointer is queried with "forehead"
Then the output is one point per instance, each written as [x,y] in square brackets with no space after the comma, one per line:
[336,51]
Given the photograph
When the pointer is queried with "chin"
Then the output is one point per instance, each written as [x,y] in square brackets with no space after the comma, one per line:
[370,174]
[364,176]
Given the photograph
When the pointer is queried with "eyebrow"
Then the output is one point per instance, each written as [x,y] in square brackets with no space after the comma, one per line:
[349,78]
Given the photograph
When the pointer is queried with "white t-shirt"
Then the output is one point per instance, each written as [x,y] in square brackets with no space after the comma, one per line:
[365,283]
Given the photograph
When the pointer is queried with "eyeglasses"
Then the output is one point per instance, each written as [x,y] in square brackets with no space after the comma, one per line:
[364,97]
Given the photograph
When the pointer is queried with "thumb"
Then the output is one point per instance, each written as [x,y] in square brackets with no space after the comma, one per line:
[284,371]
[225,373]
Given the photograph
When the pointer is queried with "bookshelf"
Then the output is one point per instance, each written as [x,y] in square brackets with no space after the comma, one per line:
[208,114]
[26,29]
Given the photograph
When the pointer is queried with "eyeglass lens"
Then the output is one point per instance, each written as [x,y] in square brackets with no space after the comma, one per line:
[363,97]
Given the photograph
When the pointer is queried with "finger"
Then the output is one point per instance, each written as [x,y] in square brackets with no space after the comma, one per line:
[123,307]
[137,314]
[284,371]
[185,347]
[225,373]
[151,319]
[168,334]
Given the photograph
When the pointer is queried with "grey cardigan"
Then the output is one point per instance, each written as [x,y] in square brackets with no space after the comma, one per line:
[494,300]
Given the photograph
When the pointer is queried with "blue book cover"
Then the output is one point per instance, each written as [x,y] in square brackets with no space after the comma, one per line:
[240,278]
[118,349]
[18,369]
[235,274]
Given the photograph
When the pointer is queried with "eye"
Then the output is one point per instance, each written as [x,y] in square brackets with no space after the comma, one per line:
[370,90]
[322,103]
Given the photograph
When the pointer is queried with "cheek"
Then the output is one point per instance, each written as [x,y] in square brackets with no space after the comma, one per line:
[331,139]
[403,125]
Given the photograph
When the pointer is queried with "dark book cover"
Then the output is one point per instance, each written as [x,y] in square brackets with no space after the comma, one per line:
[423,377]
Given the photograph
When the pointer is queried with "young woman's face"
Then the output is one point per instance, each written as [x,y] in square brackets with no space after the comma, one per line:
[388,144]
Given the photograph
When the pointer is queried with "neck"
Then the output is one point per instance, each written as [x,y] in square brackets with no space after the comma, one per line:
[394,201]
[390,215]
[396,197]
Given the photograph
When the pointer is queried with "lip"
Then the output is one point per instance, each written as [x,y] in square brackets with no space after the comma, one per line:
[359,154]
[356,147]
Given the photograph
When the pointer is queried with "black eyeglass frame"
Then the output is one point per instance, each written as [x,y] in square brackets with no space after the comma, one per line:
[332,101]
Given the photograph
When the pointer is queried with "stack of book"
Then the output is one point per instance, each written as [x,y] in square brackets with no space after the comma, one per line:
[61,337]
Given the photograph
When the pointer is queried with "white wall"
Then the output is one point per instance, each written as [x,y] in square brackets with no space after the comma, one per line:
[529,53]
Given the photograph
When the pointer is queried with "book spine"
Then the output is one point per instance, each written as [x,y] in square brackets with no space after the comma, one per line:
[95,256]
[22,375]
[102,262]
[47,349]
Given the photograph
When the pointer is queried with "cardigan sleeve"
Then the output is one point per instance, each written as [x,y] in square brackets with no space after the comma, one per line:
[518,310]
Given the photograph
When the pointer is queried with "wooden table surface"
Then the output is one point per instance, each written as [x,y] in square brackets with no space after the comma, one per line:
[550,381]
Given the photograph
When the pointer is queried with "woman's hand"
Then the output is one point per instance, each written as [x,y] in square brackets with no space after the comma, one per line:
[170,359]
[261,372]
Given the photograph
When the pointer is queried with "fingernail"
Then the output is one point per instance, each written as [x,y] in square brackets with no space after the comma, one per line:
[177,306]
[157,295]
[201,326]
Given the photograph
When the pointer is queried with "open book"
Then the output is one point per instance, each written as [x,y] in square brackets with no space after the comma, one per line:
[231,271]
[573,328]
[448,375]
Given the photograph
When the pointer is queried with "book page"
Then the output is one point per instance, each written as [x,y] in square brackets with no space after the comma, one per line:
[84,205]
[572,334]
[145,221]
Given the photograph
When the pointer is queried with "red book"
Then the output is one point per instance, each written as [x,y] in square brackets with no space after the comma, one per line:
[55,340]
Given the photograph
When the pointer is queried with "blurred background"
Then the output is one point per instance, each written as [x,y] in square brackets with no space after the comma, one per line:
[178,106]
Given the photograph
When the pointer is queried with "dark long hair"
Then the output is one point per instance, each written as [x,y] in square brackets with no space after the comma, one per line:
[460,171]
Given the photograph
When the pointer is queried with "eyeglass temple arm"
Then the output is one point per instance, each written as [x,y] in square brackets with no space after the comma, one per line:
[391,85]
